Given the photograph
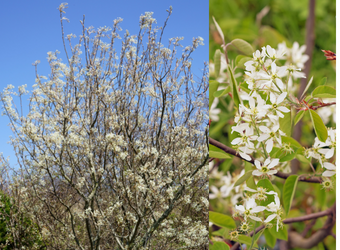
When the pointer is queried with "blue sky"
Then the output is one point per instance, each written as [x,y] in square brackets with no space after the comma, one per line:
[32,28]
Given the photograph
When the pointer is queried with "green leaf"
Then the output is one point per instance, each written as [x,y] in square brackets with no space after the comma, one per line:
[323,81]
[246,240]
[288,157]
[219,245]
[218,29]
[222,92]
[286,123]
[302,158]
[217,62]
[218,155]
[282,234]
[293,143]
[241,60]
[270,239]
[320,195]
[275,151]
[243,178]
[223,232]
[324,92]
[243,46]
[307,87]
[259,234]
[213,85]
[215,152]
[319,126]
[236,96]
[244,87]
[289,191]
[299,116]
[221,220]
[251,183]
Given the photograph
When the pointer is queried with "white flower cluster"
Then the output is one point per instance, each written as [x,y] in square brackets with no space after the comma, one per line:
[250,210]
[223,188]
[257,121]
[323,152]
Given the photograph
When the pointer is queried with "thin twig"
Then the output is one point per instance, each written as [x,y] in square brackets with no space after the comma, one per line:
[312,179]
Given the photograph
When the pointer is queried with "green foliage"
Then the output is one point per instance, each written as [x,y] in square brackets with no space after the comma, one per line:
[222,220]
[11,220]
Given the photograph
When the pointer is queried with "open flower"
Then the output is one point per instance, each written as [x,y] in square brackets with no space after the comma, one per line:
[276,74]
[214,111]
[276,108]
[274,207]
[269,135]
[250,209]
[260,193]
[265,169]
[220,193]
[330,169]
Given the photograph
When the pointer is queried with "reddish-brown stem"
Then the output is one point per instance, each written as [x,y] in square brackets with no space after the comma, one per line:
[322,105]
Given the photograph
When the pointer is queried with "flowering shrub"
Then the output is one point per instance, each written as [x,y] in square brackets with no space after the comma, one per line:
[113,150]
[265,109]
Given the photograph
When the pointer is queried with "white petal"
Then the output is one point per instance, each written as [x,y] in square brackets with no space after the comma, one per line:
[264,129]
[266,162]
[272,192]
[270,218]
[258,209]
[249,189]
[257,164]
[273,68]
[255,218]
[270,172]
[240,208]
[245,156]
[281,97]
[257,173]
[279,114]
[269,145]
[272,97]
[283,109]
[330,153]
[273,117]
[274,163]
[263,137]
[236,141]
[279,83]
[329,166]
[277,200]
[214,189]
[251,102]
[328,173]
